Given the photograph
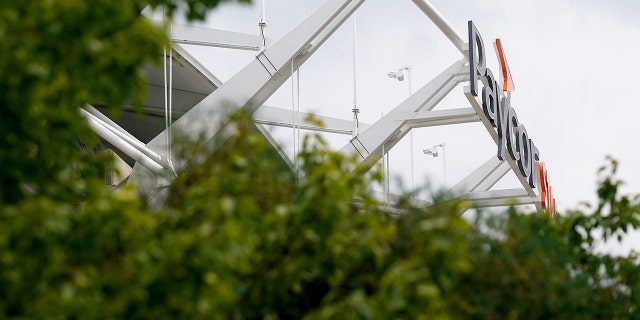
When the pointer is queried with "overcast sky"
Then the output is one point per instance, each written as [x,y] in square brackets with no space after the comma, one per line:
[574,64]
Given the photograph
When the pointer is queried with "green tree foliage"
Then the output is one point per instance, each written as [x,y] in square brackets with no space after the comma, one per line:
[58,56]
[241,236]
[552,268]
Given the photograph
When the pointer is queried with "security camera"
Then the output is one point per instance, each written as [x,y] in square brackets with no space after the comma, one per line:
[396,74]
[431,152]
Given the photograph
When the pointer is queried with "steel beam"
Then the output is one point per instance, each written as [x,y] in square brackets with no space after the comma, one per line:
[280,117]
[434,118]
[276,145]
[186,56]
[208,37]
[95,112]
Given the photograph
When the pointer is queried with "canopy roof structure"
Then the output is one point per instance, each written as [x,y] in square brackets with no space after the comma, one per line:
[203,102]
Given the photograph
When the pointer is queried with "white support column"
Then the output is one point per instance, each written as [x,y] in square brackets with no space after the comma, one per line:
[208,37]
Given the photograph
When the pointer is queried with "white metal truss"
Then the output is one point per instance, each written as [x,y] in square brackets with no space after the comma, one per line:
[259,79]
[477,186]
[252,85]
[394,125]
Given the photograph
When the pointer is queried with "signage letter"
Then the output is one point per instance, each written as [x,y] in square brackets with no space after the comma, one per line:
[523,146]
[534,178]
[490,98]
[477,62]
[512,125]
[503,114]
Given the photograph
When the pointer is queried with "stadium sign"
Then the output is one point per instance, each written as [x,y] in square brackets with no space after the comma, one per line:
[513,139]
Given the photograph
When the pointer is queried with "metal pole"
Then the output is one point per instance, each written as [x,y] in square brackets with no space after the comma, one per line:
[413,179]
[131,141]
[298,116]
[112,125]
[355,87]
[293,119]
[388,179]
[385,170]
[170,107]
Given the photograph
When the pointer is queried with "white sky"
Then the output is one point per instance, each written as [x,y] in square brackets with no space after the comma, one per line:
[574,64]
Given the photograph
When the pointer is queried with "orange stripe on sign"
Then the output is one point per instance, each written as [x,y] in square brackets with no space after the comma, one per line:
[546,192]
[506,73]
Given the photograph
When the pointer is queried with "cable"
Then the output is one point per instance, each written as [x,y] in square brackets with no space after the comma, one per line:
[298,108]
[263,24]
[164,73]
[170,115]
[355,109]
[168,93]
[293,120]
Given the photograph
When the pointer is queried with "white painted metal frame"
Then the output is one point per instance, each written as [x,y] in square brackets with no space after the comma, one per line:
[202,36]
[392,127]
[273,65]
[252,85]
[280,117]
[121,139]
